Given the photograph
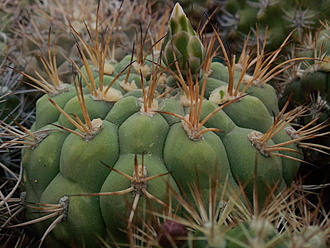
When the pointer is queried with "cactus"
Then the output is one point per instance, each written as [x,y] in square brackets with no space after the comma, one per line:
[115,146]
[82,17]
[213,222]
[236,18]
[307,83]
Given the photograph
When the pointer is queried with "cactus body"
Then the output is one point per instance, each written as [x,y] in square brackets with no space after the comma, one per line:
[141,141]
[310,83]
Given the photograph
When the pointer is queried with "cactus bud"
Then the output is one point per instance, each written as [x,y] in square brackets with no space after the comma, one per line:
[182,44]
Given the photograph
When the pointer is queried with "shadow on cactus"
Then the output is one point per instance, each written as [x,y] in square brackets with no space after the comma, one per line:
[160,121]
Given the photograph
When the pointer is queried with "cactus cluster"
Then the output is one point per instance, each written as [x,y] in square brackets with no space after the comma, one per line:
[212,222]
[237,18]
[309,81]
[83,17]
[127,139]
[307,84]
